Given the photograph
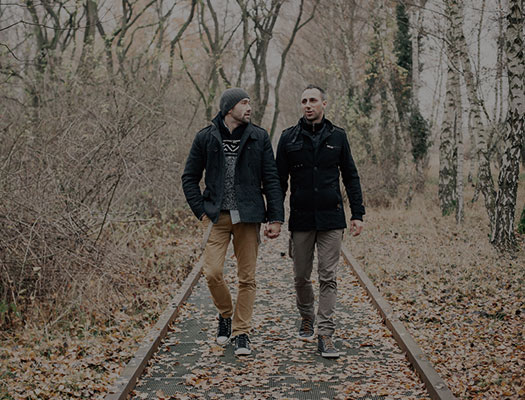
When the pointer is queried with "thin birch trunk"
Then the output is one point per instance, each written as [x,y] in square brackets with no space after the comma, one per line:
[503,236]
[485,181]
[416,36]
[458,128]
[437,94]
[498,83]
[447,146]
[472,155]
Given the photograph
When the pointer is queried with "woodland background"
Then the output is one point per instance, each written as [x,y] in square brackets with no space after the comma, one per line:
[100,101]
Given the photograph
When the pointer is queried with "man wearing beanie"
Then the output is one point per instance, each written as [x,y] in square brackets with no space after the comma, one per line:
[237,160]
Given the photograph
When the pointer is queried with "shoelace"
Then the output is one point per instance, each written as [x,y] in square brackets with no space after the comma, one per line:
[242,340]
[223,326]
[307,324]
[328,343]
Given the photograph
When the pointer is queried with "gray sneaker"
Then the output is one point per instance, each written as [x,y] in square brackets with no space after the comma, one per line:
[306,331]
[326,347]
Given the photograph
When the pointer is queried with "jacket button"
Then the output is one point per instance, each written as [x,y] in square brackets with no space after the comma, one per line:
[315,168]
[316,190]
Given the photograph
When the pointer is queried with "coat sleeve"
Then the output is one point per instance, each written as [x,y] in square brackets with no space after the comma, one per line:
[282,165]
[351,181]
[271,186]
[192,175]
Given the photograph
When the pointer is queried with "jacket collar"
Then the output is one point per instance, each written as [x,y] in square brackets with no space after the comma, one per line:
[312,128]
[219,124]
[326,127]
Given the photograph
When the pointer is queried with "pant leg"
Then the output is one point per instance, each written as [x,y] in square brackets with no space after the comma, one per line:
[303,257]
[214,256]
[246,246]
[328,253]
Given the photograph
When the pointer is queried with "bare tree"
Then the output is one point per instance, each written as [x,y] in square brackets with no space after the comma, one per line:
[177,38]
[54,27]
[132,21]
[451,126]
[458,130]
[502,235]
[118,42]
[297,26]
[215,39]
[417,18]
[485,181]
[260,18]
[88,47]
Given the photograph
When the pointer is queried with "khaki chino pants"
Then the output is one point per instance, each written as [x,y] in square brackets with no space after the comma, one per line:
[328,253]
[245,244]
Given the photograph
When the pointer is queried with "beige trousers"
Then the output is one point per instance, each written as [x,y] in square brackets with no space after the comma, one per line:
[245,246]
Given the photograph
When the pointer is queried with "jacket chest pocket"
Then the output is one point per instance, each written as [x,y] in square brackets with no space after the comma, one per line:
[252,153]
[295,155]
[213,147]
[213,154]
[329,154]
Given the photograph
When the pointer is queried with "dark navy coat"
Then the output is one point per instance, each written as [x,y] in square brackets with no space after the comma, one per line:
[255,175]
[314,171]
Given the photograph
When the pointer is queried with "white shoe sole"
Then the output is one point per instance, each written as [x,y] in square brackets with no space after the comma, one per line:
[222,340]
[306,338]
[243,352]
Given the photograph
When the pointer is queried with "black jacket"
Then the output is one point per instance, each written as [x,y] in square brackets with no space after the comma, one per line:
[255,174]
[315,201]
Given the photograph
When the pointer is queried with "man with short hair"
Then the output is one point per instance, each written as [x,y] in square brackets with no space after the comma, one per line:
[240,167]
[314,154]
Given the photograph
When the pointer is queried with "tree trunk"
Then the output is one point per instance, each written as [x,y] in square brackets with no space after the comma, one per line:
[458,124]
[259,18]
[485,181]
[298,25]
[416,36]
[458,130]
[448,146]
[503,236]
[87,57]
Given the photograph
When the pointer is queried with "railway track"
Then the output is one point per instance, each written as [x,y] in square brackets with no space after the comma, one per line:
[179,359]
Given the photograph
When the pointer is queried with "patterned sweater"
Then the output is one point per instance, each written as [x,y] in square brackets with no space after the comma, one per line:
[230,145]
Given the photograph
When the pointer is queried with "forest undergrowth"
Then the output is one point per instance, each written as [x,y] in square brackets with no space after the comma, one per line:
[462,301]
[77,349]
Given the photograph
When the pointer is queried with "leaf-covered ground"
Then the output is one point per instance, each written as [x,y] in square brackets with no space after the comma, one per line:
[461,300]
[83,353]
[189,364]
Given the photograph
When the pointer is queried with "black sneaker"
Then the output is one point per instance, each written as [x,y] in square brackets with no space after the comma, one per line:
[306,331]
[326,347]
[242,345]
[224,331]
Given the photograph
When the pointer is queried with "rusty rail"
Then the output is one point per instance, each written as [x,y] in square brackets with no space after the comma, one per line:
[436,387]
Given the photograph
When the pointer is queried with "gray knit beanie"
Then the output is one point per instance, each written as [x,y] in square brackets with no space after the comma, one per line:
[230,97]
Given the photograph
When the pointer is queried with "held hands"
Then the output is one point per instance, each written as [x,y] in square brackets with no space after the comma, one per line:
[272,230]
[356,226]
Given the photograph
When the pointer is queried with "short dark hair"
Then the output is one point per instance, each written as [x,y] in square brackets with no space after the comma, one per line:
[312,86]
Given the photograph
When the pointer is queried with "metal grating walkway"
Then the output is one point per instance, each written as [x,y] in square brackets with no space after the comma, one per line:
[189,365]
